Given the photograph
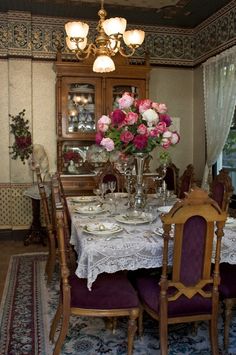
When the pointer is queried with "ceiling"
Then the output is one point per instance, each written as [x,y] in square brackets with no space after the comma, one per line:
[173,13]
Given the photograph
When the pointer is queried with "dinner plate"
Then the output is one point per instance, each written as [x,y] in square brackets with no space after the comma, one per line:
[164,209]
[89,209]
[102,228]
[129,219]
[230,220]
[82,199]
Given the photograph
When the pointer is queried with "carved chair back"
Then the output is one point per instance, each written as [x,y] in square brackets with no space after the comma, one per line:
[186,181]
[110,173]
[222,189]
[191,292]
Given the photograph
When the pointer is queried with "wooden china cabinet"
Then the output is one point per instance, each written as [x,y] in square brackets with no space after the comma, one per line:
[82,96]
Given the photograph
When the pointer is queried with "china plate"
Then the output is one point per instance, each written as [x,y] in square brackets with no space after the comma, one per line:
[102,228]
[89,209]
[230,220]
[140,219]
[80,199]
[164,209]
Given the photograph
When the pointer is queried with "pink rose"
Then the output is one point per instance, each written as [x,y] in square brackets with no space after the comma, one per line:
[98,137]
[126,137]
[154,132]
[165,143]
[108,144]
[102,127]
[143,105]
[165,118]
[161,127]
[167,134]
[140,142]
[118,117]
[105,120]
[125,101]
[175,138]
[161,108]
[142,129]
[131,118]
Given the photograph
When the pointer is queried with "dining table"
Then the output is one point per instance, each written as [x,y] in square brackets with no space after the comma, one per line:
[110,237]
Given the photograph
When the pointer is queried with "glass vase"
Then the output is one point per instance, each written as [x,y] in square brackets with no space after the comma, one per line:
[140,196]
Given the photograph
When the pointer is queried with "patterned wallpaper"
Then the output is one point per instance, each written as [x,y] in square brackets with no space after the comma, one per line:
[16,211]
[25,35]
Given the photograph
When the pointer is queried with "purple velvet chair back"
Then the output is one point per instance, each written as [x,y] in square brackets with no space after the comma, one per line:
[192,254]
[222,189]
[218,193]
[170,179]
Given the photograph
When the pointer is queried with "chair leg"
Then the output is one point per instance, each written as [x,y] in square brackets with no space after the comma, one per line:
[140,322]
[55,322]
[132,328]
[227,320]
[62,335]
[51,262]
[214,336]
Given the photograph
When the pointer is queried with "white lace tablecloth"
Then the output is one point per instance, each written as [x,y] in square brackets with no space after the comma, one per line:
[133,248]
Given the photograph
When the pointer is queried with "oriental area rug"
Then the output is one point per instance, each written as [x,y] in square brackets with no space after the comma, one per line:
[28,307]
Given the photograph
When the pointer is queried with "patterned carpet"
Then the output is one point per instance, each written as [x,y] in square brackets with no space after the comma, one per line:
[28,306]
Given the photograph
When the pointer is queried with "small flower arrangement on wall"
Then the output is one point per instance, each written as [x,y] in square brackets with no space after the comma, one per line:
[22,147]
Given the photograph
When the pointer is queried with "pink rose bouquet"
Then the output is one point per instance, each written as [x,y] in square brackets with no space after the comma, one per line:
[136,126]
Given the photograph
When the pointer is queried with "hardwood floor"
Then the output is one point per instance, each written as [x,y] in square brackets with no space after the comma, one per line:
[12,247]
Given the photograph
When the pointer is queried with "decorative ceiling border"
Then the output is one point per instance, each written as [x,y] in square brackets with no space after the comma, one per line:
[36,37]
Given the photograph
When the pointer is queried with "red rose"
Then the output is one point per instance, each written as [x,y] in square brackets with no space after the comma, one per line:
[165,118]
[99,137]
[118,117]
[140,141]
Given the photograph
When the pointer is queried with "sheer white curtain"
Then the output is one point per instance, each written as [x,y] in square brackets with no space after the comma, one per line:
[219,75]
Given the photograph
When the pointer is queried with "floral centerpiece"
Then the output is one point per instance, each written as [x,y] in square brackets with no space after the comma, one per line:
[136,126]
[22,146]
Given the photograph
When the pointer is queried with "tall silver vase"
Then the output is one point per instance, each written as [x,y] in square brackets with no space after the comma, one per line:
[140,197]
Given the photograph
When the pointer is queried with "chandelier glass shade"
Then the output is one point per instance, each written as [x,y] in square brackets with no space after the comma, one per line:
[110,39]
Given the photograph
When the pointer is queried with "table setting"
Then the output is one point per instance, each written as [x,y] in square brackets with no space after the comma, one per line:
[108,241]
[109,236]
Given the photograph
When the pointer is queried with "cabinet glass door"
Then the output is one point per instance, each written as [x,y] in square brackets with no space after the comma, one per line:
[119,86]
[81,108]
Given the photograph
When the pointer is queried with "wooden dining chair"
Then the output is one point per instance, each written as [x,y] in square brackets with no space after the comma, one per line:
[50,228]
[186,181]
[190,293]
[171,177]
[110,173]
[112,295]
[222,189]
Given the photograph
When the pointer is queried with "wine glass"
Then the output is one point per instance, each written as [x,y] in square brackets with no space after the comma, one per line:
[103,187]
[112,186]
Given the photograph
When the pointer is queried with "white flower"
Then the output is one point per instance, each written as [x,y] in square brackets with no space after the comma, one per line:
[150,116]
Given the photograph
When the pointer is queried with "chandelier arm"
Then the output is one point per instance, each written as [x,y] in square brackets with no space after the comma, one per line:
[91,49]
[127,55]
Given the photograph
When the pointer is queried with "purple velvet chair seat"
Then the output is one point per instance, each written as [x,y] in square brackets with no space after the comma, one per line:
[227,286]
[149,293]
[109,291]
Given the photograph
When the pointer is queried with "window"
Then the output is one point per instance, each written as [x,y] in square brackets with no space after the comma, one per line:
[228,156]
